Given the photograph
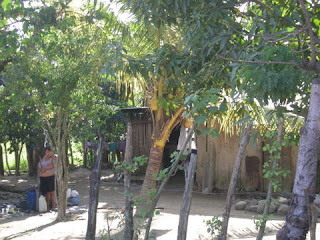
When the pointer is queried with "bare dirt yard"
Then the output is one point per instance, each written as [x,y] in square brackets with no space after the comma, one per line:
[111,200]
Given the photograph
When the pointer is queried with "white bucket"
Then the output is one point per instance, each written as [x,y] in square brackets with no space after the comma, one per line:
[42,204]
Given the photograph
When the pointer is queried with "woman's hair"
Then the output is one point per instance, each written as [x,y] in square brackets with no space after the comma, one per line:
[47,148]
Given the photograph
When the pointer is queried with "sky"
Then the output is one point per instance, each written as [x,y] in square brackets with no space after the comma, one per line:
[115,7]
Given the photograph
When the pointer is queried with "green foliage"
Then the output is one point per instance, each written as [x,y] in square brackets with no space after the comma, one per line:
[261,219]
[114,221]
[214,227]
[131,167]
[271,168]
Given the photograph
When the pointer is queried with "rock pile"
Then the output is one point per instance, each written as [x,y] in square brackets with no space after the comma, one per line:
[279,206]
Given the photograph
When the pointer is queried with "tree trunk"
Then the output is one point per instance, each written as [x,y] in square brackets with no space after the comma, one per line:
[62,177]
[166,179]
[128,227]
[94,192]
[32,170]
[161,131]
[144,208]
[85,155]
[186,202]
[154,164]
[17,154]
[269,193]
[242,149]
[1,162]
[66,149]
[6,156]
[296,226]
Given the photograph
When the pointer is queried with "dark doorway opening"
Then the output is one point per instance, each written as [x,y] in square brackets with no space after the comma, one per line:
[253,174]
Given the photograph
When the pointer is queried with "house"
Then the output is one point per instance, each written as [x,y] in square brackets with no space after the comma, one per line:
[216,156]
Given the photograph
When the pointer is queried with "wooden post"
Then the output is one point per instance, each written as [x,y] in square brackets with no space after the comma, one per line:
[242,149]
[94,192]
[186,200]
[128,227]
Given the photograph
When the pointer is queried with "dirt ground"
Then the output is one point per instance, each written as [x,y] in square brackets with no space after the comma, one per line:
[111,201]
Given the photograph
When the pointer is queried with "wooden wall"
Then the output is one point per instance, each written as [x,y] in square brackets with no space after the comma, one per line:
[216,158]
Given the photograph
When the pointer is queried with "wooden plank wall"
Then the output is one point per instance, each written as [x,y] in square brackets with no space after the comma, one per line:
[141,140]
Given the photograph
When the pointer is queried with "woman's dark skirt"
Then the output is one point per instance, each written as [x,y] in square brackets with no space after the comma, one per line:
[46,184]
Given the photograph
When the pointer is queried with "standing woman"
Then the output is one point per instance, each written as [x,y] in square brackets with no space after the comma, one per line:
[47,178]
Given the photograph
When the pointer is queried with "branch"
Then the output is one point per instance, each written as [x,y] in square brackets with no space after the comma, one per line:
[260,62]
[310,33]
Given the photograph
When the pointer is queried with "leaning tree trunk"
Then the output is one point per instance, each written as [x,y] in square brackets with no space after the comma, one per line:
[242,149]
[173,167]
[186,200]
[1,162]
[161,132]
[154,164]
[297,224]
[128,227]
[270,186]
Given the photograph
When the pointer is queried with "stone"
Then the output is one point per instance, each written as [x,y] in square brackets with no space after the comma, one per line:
[240,205]
[283,200]
[261,204]
[253,208]
[252,202]
[283,209]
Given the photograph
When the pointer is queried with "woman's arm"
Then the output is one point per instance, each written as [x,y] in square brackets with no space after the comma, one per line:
[48,167]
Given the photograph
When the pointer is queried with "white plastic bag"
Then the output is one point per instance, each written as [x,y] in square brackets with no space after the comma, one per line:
[68,193]
[42,204]
[74,193]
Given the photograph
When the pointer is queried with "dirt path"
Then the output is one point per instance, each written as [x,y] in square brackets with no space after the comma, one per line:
[164,227]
